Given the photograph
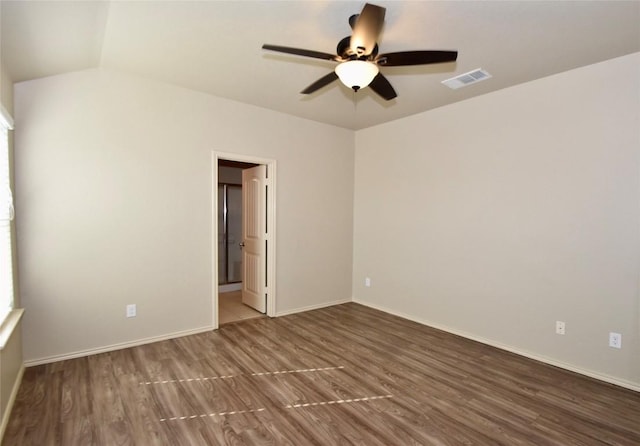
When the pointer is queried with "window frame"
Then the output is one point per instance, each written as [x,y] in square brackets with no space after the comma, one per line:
[7,297]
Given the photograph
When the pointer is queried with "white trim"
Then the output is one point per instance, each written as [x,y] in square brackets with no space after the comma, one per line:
[9,325]
[6,120]
[271,219]
[113,347]
[563,365]
[314,307]
[12,400]
[214,240]
[271,237]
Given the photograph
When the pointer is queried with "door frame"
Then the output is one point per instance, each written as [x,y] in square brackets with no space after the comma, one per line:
[271,225]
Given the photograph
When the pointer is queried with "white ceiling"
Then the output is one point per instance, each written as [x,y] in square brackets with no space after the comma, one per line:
[215,46]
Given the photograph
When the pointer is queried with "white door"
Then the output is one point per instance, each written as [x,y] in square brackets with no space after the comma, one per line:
[254,183]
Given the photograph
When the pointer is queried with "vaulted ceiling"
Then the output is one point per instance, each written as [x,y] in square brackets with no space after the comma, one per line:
[215,47]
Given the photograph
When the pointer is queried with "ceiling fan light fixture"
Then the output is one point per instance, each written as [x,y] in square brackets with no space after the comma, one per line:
[357,74]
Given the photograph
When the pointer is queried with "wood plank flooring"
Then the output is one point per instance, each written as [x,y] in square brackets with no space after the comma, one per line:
[344,375]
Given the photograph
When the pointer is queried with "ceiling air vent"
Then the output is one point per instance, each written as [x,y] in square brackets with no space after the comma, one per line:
[467,79]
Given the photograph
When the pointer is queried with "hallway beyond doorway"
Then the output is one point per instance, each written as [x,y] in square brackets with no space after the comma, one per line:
[231,308]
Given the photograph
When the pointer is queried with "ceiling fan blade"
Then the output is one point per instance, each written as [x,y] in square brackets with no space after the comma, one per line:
[300,52]
[404,58]
[381,85]
[367,29]
[317,85]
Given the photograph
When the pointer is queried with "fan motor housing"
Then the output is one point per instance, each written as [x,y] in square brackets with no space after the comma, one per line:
[344,50]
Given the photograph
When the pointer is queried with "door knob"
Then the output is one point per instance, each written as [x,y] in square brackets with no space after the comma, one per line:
[241,244]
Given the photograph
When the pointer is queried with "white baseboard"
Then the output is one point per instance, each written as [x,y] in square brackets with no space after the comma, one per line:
[314,307]
[110,348]
[599,376]
[12,399]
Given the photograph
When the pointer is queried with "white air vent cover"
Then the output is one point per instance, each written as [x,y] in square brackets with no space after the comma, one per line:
[467,79]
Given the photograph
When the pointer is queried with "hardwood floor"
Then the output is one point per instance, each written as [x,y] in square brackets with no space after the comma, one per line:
[341,375]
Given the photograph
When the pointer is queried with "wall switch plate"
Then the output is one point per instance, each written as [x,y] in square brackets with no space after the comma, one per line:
[367,281]
[131,310]
[615,340]
[560,327]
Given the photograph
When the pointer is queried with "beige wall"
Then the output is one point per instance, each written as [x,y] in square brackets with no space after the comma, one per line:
[496,216]
[493,217]
[6,89]
[114,201]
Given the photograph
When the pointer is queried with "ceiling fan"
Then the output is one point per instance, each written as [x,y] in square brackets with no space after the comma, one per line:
[358,58]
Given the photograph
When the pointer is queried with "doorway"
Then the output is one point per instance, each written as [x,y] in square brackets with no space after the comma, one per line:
[238,210]
[229,229]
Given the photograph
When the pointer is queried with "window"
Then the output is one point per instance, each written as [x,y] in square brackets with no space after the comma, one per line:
[6,215]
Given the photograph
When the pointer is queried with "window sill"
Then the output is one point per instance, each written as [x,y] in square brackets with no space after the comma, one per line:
[9,325]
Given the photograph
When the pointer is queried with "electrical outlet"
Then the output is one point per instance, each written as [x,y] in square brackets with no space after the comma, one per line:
[615,340]
[559,327]
[367,281]
[131,310]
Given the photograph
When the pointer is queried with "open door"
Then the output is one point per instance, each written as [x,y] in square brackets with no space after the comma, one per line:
[254,254]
